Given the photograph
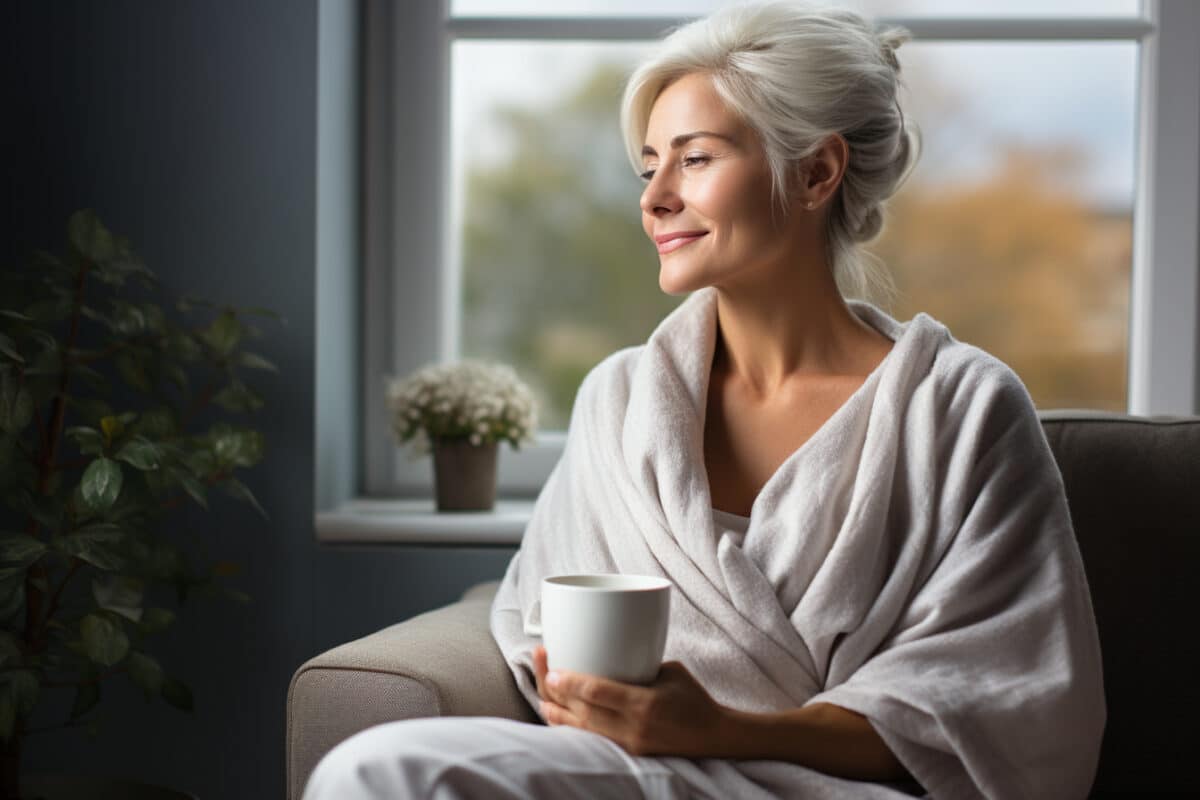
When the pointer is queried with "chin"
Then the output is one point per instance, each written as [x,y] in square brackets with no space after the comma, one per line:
[679,282]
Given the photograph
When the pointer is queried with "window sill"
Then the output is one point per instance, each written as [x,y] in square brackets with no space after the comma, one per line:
[416,521]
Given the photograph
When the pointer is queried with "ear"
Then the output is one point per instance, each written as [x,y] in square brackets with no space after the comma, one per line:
[821,173]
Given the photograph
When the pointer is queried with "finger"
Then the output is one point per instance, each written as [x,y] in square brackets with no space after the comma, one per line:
[579,714]
[540,668]
[592,689]
[554,714]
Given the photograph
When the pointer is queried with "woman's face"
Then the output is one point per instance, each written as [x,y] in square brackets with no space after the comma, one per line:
[708,178]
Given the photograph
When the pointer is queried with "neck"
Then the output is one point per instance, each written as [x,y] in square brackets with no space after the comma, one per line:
[792,325]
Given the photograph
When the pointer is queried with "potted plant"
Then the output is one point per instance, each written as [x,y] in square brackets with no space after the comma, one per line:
[110,419]
[462,412]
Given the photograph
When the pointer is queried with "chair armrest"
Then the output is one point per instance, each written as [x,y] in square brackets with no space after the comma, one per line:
[442,663]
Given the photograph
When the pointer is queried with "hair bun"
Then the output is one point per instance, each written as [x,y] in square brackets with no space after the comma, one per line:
[890,40]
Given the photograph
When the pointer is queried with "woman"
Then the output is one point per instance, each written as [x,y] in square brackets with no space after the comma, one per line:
[877,588]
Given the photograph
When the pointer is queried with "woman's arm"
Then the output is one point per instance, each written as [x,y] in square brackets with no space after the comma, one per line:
[825,737]
[675,716]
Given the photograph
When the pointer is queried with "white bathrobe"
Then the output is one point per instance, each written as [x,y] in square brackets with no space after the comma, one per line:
[912,561]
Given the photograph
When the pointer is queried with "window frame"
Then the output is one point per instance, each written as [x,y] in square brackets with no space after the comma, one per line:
[410,270]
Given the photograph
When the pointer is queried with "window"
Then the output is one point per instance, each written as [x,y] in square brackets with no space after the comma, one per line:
[1026,226]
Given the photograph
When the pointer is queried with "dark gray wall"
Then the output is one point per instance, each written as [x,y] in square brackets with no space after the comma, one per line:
[191,127]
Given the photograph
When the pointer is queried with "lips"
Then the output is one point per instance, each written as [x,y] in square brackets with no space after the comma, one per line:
[673,241]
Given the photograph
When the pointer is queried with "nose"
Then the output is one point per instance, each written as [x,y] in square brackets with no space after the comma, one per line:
[660,197]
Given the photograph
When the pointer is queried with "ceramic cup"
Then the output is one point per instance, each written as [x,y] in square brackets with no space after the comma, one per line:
[614,626]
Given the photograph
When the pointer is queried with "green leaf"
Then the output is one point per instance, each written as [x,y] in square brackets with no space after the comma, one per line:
[24,686]
[177,694]
[202,462]
[223,334]
[54,309]
[255,361]
[235,488]
[101,483]
[156,321]
[237,396]
[10,650]
[103,639]
[155,620]
[16,404]
[193,487]
[182,346]
[89,237]
[20,548]
[97,543]
[92,409]
[47,511]
[111,427]
[95,315]
[128,320]
[176,375]
[9,348]
[146,673]
[12,592]
[242,448]
[17,315]
[86,697]
[140,453]
[89,440]
[120,594]
[157,423]
[134,372]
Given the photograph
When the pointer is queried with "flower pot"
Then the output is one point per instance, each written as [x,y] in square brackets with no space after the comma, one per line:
[464,475]
[76,787]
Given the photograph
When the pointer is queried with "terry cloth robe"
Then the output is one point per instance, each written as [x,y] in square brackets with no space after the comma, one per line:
[913,561]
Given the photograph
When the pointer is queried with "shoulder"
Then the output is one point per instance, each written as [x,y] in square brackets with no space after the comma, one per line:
[982,396]
[969,372]
[606,384]
[614,372]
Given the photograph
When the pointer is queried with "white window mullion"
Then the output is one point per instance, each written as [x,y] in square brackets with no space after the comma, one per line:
[1165,297]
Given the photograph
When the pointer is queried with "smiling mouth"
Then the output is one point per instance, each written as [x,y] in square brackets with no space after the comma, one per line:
[675,244]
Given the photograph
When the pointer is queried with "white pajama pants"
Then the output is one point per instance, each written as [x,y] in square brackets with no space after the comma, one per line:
[455,758]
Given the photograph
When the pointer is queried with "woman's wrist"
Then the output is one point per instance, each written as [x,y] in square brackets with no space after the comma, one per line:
[825,737]
[747,735]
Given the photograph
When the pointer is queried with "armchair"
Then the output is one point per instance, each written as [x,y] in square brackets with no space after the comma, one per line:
[1133,486]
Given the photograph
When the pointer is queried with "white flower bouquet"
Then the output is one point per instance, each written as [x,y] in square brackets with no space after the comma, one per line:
[474,400]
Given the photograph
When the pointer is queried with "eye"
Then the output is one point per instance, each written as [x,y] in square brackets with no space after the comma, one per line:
[689,161]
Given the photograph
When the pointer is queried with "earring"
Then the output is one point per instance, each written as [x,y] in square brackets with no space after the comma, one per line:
[810,205]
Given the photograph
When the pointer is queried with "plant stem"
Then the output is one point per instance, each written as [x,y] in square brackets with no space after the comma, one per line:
[34,625]
[40,645]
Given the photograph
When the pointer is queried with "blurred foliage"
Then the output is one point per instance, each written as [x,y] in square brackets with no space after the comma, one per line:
[557,272]
[1016,264]
[107,425]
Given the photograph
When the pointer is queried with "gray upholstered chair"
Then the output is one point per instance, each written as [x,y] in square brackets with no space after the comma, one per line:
[1133,485]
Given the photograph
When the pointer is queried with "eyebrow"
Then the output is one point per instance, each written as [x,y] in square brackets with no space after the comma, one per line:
[684,138]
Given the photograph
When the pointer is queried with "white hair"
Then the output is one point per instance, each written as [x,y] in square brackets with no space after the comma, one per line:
[797,73]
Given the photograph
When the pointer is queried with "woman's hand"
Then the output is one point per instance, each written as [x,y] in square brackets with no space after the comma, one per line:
[673,716]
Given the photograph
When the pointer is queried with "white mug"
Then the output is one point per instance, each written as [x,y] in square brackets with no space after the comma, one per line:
[614,626]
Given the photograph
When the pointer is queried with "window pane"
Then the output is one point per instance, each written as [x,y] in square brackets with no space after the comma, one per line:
[1015,229]
[892,8]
